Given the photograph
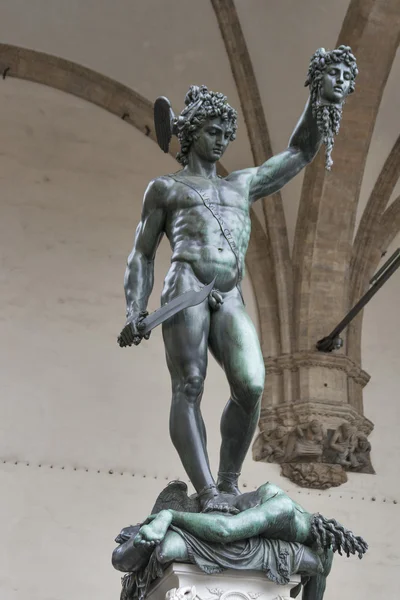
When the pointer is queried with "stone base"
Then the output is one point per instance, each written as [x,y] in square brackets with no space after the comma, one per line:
[229,585]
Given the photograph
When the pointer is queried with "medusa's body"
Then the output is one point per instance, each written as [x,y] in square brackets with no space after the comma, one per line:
[269,524]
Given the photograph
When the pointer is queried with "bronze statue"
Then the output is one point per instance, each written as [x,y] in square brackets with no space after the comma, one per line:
[331,77]
[207,221]
[270,533]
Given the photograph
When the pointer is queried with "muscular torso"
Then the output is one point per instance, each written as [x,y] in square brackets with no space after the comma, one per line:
[195,234]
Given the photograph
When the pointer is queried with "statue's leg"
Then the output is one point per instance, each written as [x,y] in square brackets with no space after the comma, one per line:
[314,589]
[270,513]
[276,517]
[186,341]
[129,558]
[172,548]
[234,343]
[310,563]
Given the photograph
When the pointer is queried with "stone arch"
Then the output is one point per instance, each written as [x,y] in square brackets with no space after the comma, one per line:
[136,110]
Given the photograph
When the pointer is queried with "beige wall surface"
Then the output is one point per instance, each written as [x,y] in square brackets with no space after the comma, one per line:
[160,48]
[72,178]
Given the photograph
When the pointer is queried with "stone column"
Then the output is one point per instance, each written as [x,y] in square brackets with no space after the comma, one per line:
[315,426]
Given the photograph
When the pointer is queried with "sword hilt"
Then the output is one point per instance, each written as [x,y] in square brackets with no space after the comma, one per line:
[140,325]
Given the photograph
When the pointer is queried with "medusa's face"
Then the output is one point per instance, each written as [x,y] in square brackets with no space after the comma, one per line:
[335,83]
[212,139]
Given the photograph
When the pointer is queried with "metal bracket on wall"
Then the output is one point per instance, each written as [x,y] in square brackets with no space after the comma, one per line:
[333,341]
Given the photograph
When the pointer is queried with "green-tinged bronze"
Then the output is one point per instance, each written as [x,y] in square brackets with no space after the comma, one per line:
[270,533]
[331,77]
[206,219]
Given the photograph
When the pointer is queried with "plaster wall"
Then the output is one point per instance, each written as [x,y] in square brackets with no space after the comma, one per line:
[91,419]
[161,48]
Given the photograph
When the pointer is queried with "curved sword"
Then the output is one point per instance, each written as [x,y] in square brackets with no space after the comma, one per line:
[168,310]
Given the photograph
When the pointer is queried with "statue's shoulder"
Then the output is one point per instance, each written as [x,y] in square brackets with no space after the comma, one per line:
[242,177]
[159,190]
[161,184]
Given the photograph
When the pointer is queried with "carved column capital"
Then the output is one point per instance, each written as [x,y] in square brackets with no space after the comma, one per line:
[309,359]
[298,413]
[316,442]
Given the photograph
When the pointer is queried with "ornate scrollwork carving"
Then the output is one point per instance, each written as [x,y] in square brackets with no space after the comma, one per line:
[182,593]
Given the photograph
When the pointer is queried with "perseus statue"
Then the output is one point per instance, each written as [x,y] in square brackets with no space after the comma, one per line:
[206,219]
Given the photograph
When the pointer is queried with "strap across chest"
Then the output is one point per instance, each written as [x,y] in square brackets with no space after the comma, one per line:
[214,211]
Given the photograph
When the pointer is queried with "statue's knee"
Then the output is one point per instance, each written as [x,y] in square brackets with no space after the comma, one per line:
[192,388]
[223,528]
[256,393]
[248,396]
[117,560]
[171,548]
[270,490]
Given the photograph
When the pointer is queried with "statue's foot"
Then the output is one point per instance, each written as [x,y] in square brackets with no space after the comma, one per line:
[154,531]
[224,503]
[228,483]
[226,487]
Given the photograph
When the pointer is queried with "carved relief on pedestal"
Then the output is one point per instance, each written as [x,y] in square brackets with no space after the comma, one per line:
[232,594]
[190,593]
[183,593]
[316,443]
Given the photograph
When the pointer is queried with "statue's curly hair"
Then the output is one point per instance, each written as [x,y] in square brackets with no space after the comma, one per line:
[328,116]
[201,104]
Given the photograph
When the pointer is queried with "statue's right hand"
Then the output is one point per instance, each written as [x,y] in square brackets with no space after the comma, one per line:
[131,334]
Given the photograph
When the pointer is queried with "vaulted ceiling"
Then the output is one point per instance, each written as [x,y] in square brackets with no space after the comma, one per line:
[121,56]
[255,51]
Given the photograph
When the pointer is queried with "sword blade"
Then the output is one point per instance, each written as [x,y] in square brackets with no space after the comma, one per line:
[168,310]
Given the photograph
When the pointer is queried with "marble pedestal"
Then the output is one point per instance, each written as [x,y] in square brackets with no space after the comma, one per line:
[230,585]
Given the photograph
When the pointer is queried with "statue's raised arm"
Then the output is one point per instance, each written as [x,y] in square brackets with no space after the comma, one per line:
[331,77]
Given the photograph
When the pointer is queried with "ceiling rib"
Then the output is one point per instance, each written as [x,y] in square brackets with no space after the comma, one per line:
[250,100]
[371,28]
[69,77]
[370,222]
[79,81]
[389,225]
